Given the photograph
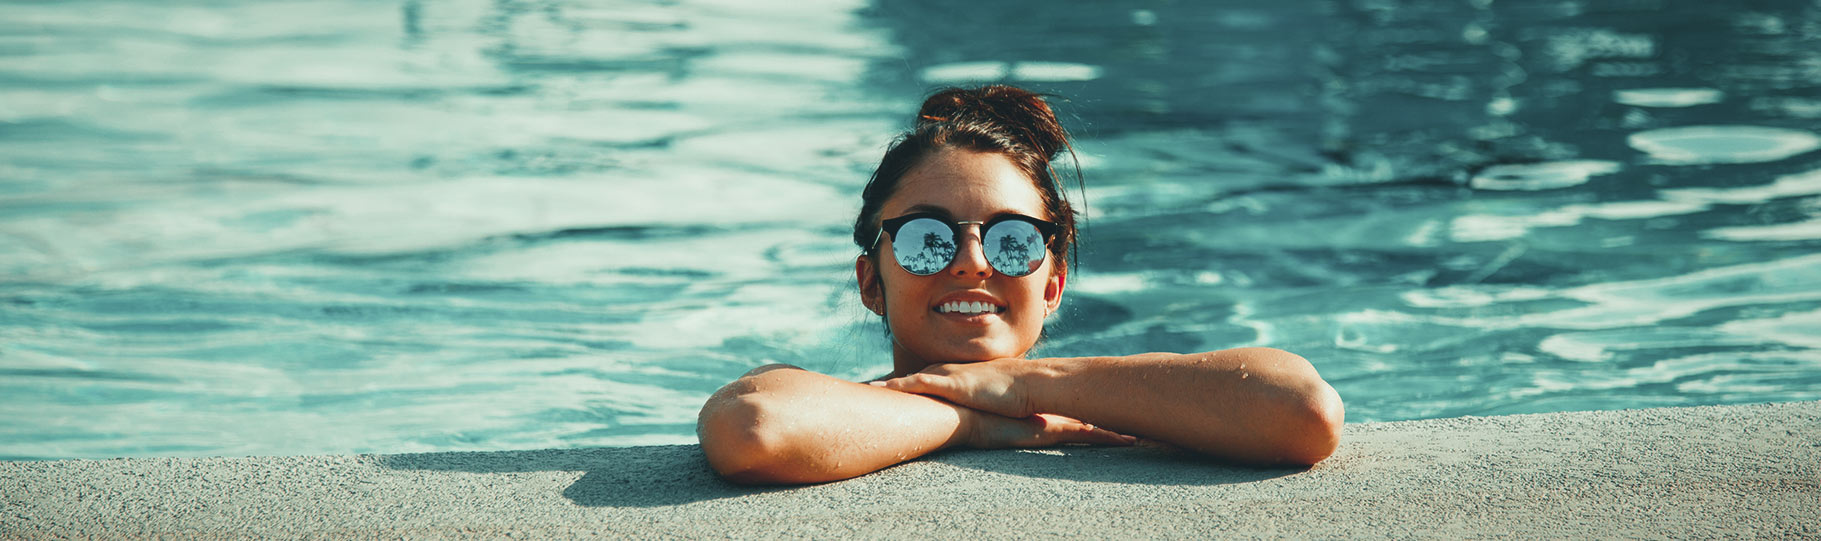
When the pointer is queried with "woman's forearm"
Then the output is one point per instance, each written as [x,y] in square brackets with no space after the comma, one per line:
[1257,405]
[780,424]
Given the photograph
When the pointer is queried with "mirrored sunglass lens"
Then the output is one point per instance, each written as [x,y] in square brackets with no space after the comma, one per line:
[1013,247]
[924,246]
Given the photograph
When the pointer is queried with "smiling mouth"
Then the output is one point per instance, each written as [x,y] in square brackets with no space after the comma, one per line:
[968,308]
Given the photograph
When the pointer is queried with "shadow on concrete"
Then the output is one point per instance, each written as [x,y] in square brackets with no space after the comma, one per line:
[1142,465]
[658,476]
[652,476]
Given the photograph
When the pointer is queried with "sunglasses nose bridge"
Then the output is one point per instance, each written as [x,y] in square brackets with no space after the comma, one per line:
[970,230]
[970,249]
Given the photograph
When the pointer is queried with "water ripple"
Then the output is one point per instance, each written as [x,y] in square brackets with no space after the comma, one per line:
[1723,144]
[271,228]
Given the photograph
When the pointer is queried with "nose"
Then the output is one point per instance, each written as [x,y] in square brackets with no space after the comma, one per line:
[970,254]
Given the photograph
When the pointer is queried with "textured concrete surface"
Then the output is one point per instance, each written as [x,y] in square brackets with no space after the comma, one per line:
[1730,471]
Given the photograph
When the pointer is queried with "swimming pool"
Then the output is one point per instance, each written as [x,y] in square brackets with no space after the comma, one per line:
[252,228]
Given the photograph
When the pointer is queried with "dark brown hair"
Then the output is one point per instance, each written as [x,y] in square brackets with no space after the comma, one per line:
[1000,119]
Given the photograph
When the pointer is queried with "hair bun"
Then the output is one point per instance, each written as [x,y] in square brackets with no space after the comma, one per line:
[1014,111]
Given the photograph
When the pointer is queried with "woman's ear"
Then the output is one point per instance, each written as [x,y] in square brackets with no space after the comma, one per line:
[1052,291]
[872,292]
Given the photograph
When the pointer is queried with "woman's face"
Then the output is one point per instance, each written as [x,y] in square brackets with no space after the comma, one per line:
[965,186]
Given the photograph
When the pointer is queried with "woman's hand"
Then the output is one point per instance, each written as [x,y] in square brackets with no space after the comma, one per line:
[1258,405]
[991,431]
[999,410]
[992,386]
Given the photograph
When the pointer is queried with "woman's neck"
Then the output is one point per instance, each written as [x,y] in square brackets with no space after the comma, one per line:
[905,362]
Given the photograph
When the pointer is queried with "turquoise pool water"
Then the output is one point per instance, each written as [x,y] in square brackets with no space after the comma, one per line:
[239,228]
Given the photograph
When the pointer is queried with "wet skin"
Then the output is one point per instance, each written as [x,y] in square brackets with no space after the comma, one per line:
[968,186]
[960,378]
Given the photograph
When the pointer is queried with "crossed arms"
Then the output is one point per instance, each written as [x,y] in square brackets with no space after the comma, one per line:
[782,424]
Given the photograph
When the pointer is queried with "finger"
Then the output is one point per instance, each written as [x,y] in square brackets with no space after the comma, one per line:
[915,383]
[892,383]
[1098,436]
[1067,430]
[1101,436]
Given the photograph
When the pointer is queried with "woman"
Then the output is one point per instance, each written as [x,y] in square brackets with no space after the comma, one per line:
[966,236]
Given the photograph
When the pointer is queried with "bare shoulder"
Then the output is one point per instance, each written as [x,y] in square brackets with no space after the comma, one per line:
[750,381]
[1259,351]
[1264,354]
[771,368]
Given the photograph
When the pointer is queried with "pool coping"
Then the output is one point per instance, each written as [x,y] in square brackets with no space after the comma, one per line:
[1710,471]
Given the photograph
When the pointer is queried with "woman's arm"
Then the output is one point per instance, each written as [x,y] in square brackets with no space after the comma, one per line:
[1257,405]
[782,424]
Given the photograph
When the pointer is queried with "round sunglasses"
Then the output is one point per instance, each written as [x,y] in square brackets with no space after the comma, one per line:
[924,243]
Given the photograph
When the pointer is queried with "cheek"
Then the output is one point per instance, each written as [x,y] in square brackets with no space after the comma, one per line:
[1028,297]
[900,298]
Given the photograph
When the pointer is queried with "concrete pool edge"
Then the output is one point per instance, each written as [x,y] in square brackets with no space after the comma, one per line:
[1710,471]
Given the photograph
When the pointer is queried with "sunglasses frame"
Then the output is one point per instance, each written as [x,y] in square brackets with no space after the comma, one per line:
[1045,228]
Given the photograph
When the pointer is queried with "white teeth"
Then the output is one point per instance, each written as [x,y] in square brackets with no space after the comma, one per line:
[967,307]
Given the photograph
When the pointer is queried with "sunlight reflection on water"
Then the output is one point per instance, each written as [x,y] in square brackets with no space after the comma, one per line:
[280,228]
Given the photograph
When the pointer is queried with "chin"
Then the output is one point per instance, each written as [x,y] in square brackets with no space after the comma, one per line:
[981,350]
